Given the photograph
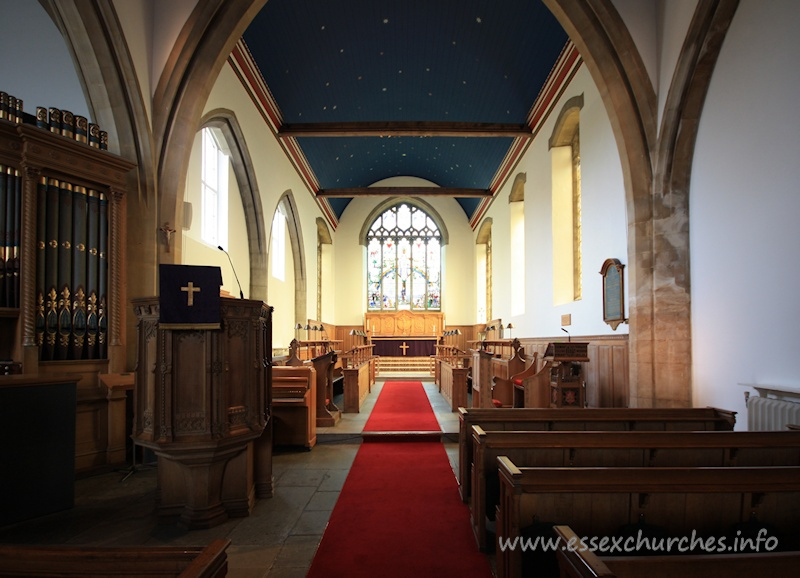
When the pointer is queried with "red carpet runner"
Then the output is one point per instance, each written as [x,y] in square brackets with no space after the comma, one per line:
[399,513]
[402,406]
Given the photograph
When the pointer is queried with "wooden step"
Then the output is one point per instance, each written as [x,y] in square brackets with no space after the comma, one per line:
[405,364]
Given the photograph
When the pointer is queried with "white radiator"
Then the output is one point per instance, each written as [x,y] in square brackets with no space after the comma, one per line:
[770,414]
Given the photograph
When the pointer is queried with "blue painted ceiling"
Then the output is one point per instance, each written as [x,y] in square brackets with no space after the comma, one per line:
[394,61]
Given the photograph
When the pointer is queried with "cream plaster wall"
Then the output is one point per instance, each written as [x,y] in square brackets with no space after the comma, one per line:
[744,207]
[168,21]
[675,17]
[45,75]
[641,19]
[282,291]
[604,226]
[138,22]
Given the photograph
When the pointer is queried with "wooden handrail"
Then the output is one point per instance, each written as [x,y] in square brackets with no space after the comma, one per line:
[453,355]
[357,355]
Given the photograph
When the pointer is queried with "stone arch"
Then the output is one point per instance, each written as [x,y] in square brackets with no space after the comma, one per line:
[518,188]
[654,166]
[225,121]
[567,122]
[609,53]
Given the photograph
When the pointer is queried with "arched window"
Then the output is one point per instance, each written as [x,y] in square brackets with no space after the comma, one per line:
[516,213]
[404,256]
[215,189]
[565,154]
[483,267]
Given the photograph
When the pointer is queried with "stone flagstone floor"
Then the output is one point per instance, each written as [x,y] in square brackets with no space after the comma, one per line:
[277,540]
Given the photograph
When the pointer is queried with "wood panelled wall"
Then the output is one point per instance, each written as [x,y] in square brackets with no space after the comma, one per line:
[606,371]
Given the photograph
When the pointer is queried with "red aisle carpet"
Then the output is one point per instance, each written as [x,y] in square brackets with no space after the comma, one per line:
[399,513]
[402,406]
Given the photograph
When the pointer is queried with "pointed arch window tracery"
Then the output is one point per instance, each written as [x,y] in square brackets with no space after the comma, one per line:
[404,249]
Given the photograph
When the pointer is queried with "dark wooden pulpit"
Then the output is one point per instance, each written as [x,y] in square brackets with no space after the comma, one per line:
[203,406]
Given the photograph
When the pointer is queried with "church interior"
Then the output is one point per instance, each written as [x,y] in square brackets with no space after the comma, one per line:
[231,230]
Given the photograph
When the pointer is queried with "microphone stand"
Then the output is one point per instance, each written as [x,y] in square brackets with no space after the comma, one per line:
[241,293]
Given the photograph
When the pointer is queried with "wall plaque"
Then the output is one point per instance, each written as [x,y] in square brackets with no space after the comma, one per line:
[613,294]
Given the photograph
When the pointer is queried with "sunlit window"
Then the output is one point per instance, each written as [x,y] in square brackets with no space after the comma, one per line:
[565,155]
[278,250]
[404,251]
[215,191]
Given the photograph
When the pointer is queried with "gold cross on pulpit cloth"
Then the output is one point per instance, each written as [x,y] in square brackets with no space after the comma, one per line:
[191,290]
[404,347]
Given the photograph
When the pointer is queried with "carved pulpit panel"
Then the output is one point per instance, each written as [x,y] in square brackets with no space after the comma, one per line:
[202,404]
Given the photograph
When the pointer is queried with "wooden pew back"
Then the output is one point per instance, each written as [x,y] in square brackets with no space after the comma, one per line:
[159,561]
[618,449]
[581,419]
[294,405]
[579,563]
[599,501]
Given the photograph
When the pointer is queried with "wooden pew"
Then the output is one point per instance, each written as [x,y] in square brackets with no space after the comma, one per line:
[593,419]
[358,368]
[152,561]
[497,358]
[294,405]
[328,414]
[529,388]
[576,562]
[601,502]
[321,356]
[451,372]
[617,449]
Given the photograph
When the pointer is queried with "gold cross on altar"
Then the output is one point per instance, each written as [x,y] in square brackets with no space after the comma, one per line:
[191,290]
[404,347]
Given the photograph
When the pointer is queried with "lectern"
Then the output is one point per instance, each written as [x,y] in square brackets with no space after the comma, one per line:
[203,406]
[567,387]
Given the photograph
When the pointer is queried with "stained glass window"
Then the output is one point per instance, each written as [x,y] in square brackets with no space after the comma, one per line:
[404,254]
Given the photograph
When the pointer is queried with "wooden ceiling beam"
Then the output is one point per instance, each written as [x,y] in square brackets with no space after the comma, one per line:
[390,129]
[403,191]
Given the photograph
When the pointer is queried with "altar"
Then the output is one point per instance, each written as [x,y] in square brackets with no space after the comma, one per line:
[404,333]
